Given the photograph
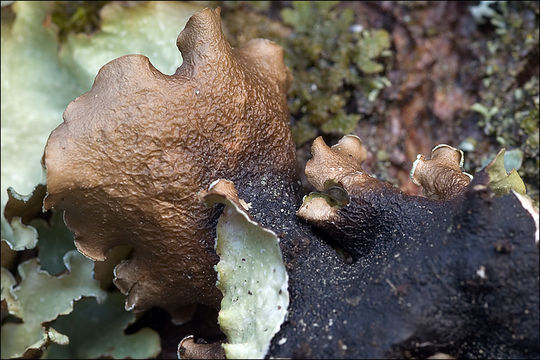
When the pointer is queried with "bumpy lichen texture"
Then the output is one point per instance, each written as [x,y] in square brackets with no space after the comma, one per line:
[251,276]
[133,152]
[37,70]
[428,275]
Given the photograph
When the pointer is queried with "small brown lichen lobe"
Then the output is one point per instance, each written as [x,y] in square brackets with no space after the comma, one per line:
[351,202]
[335,163]
[441,176]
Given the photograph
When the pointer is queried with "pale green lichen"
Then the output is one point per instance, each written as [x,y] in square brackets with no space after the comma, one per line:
[147,28]
[40,298]
[35,92]
[501,182]
[253,280]
[18,235]
[99,333]
[8,281]
[55,239]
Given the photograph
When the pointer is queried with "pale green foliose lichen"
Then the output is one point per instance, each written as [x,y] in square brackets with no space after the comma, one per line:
[99,333]
[35,90]
[55,239]
[147,28]
[253,280]
[501,182]
[40,298]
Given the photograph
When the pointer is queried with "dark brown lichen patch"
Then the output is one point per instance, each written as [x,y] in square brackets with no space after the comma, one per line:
[425,259]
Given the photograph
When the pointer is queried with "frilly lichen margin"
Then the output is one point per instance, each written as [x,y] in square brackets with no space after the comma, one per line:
[31,301]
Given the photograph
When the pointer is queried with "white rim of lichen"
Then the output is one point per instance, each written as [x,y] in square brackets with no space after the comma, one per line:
[179,347]
[347,136]
[253,280]
[413,169]
[528,205]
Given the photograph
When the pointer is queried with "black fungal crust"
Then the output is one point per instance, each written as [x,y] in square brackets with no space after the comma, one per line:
[430,281]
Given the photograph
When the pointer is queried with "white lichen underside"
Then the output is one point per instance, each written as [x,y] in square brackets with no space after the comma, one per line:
[253,280]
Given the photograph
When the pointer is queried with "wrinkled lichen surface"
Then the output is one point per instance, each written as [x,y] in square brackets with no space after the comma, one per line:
[140,169]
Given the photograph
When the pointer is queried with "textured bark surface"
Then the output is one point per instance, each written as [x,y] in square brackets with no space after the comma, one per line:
[134,151]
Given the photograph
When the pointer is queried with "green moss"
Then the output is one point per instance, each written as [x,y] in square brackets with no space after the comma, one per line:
[510,86]
[76,17]
[334,67]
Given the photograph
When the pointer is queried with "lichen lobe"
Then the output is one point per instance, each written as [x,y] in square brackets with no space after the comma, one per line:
[134,151]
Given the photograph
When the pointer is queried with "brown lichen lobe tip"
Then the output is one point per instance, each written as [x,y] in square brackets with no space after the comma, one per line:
[333,171]
[340,167]
[317,209]
[332,164]
[125,163]
[222,189]
[441,177]
[202,39]
[188,348]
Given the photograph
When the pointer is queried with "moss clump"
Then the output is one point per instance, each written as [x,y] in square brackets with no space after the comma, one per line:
[509,96]
[76,17]
[243,21]
[335,68]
